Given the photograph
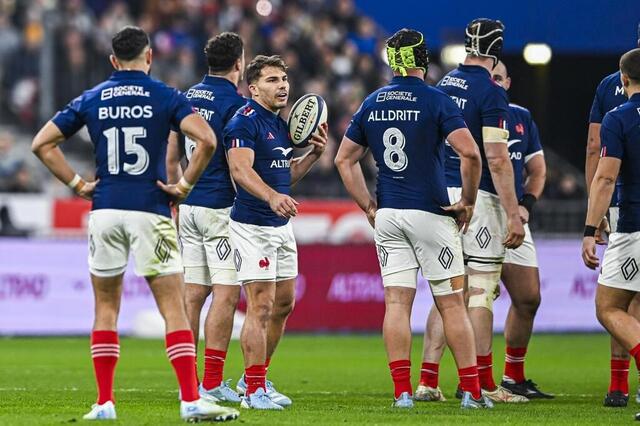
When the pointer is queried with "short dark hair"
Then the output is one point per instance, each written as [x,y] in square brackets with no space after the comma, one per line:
[223,51]
[254,69]
[630,65]
[129,42]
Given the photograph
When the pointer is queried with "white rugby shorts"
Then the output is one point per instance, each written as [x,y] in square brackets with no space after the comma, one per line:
[206,251]
[263,253]
[410,239]
[151,238]
[614,214]
[620,262]
[525,255]
[483,243]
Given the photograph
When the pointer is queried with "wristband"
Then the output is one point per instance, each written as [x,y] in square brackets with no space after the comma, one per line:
[590,231]
[527,201]
[183,186]
[76,183]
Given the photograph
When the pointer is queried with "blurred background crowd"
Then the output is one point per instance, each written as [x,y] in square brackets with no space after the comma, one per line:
[50,51]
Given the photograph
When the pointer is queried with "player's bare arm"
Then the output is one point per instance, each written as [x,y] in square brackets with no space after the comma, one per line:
[300,166]
[502,175]
[174,171]
[591,164]
[462,142]
[197,129]
[347,162]
[45,147]
[243,174]
[536,169]
[599,198]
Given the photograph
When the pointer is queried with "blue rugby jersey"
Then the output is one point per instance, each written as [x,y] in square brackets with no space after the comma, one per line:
[267,134]
[129,117]
[216,99]
[524,143]
[609,95]
[484,103]
[620,138]
[405,124]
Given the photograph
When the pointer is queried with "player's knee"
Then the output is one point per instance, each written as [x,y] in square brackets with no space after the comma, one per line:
[283,308]
[483,289]
[528,305]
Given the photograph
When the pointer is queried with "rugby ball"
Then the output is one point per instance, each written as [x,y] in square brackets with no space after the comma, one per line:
[305,117]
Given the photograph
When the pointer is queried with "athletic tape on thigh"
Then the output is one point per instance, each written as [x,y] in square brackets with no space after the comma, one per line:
[223,276]
[488,283]
[406,278]
[484,264]
[197,275]
[443,287]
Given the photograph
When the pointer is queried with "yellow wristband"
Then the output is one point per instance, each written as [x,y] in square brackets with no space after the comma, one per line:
[183,186]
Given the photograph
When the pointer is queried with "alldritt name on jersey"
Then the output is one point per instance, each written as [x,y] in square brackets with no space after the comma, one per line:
[394,115]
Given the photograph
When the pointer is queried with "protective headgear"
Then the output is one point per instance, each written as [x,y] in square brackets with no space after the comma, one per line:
[483,37]
[407,49]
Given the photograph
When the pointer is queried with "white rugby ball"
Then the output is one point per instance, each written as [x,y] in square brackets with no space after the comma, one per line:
[305,117]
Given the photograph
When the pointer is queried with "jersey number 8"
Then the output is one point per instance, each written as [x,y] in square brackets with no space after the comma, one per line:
[394,157]
[131,134]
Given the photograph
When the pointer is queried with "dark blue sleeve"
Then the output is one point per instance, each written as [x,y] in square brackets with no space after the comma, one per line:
[180,108]
[69,120]
[495,108]
[597,112]
[534,139]
[451,117]
[240,132]
[611,137]
[355,131]
[235,105]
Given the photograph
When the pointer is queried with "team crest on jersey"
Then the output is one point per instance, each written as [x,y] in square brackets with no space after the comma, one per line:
[264,263]
[248,111]
[520,128]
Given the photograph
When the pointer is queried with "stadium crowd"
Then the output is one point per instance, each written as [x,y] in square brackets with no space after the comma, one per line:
[330,47]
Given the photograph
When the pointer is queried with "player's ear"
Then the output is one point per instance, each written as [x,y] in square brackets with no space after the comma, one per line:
[624,79]
[149,56]
[253,89]
[114,62]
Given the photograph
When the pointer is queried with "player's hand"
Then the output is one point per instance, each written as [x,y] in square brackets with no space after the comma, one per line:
[86,190]
[319,141]
[589,256]
[175,193]
[515,236]
[603,229]
[283,205]
[371,210]
[463,212]
[524,214]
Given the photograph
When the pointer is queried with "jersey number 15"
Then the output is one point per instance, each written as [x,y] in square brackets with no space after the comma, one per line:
[131,135]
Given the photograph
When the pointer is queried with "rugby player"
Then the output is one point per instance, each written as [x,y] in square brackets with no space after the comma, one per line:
[204,215]
[610,94]
[619,281]
[128,118]
[404,125]
[496,224]
[520,269]
[260,155]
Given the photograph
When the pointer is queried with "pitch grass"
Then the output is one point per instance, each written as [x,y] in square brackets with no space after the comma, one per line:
[332,380]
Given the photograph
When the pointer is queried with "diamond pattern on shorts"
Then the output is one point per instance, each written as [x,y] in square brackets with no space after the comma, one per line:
[483,237]
[237,260]
[163,250]
[92,246]
[383,256]
[223,249]
[629,268]
[445,257]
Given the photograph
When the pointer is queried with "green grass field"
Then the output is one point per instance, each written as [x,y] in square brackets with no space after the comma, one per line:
[332,380]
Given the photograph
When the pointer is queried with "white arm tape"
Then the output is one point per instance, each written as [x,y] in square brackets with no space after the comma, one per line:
[494,135]
[75,181]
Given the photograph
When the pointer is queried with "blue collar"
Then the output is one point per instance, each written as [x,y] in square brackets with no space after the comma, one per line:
[128,75]
[474,69]
[635,97]
[213,80]
[262,111]
[414,81]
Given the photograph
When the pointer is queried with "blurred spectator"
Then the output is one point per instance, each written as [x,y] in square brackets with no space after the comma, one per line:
[15,175]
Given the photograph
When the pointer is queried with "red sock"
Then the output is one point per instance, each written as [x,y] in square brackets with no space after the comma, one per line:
[619,376]
[213,367]
[514,364]
[485,372]
[105,350]
[255,376]
[470,381]
[401,375]
[181,351]
[635,353]
[429,374]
